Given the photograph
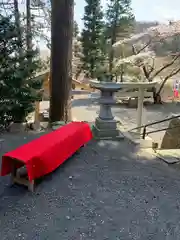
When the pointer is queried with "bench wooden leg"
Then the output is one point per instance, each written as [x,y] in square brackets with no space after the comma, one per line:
[31,186]
[13,173]
[21,178]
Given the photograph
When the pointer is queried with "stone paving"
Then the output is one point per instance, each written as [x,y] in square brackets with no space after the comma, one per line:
[107,191]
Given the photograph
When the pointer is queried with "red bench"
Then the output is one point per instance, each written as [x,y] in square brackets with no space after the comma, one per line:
[45,154]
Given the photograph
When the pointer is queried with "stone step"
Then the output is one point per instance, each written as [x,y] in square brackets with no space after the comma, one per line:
[170,156]
[106,133]
[136,139]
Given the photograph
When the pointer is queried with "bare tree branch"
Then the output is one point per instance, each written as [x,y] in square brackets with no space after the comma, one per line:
[135,52]
[159,34]
[144,47]
[144,68]
[166,78]
[166,66]
[152,67]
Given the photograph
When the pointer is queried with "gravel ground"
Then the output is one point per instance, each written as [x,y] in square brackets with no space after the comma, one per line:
[87,109]
[104,192]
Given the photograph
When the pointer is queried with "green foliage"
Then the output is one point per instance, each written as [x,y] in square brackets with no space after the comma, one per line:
[103,75]
[128,72]
[119,24]
[92,37]
[18,87]
[119,19]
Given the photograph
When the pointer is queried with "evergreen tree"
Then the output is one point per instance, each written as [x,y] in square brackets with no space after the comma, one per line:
[119,22]
[18,87]
[92,37]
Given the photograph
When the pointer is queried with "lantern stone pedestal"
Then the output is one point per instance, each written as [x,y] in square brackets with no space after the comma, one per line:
[105,125]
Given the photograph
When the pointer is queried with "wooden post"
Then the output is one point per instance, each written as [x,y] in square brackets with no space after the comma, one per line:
[31,186]
[140,108]
[13,173]
[36,115]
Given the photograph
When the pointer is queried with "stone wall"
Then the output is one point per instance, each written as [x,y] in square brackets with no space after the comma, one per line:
[171,139]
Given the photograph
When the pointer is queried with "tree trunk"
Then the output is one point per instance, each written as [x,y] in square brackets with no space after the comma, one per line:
[61,38]
[68,116]
[78,72]
[113,40]
[28,26]
[18,25]
[156,96]
[162,85]
[122,73]
[111,54]
[157,99]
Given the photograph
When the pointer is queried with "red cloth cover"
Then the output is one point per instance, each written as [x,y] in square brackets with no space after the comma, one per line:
[45,154]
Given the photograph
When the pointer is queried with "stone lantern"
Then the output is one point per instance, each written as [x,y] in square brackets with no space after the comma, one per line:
[105,125]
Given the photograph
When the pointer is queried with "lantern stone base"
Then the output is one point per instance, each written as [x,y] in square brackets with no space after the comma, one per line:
[106,129]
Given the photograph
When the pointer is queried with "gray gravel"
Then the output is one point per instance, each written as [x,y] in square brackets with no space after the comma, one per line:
[88,109]
[105,192]
[85,107]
